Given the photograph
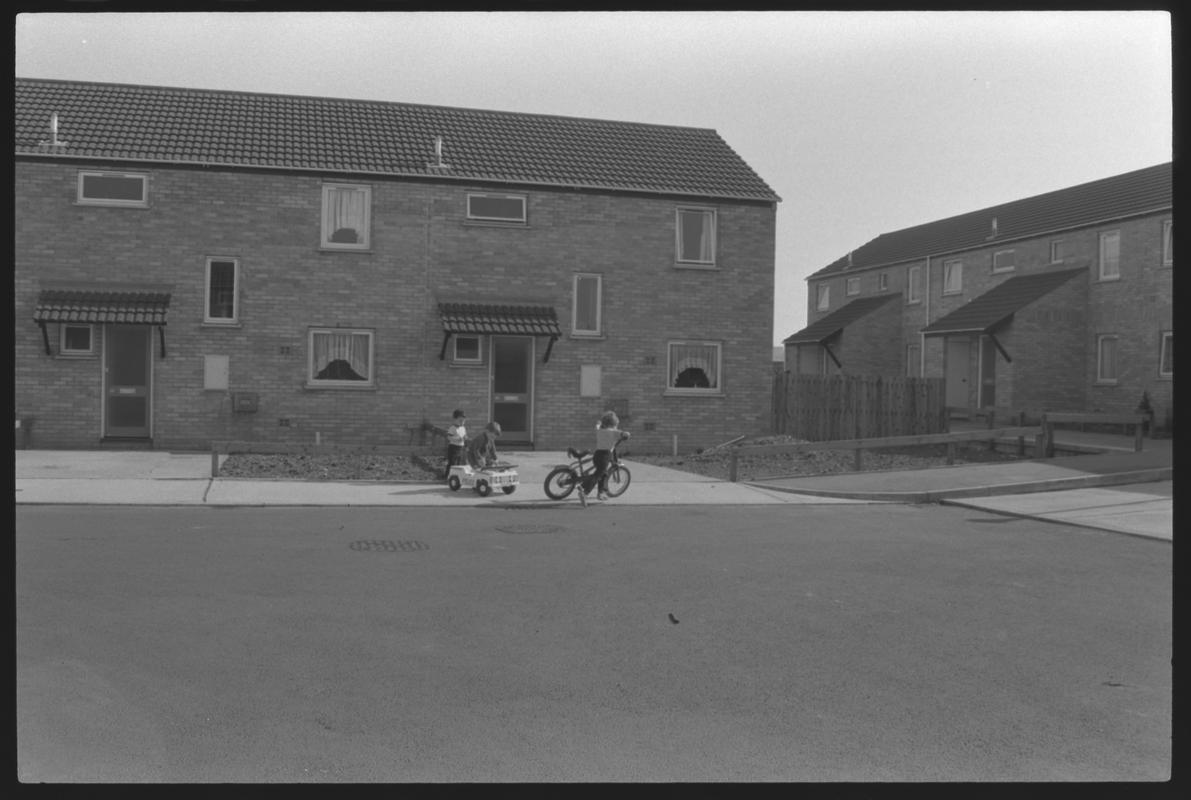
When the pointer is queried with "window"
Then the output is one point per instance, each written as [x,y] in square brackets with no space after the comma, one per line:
[223,275]
[1058,251]
[852,286]
[113,189]
[346,212]
[585,311]
[696,236]
[1167,243]
[1110,256]
[882,281]
[1166,359]
[694,367]
[1106,359]
[822,297]
[953,277]
[340,357]
[496,207]
[914,360]
[914,284]
[1003,261]
[75,340]
[467,350]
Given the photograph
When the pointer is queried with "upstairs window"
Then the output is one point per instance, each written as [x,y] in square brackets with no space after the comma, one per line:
[496,208]
[883,282]
[696,236]
[822,297]
[953,277]
[1004,261]
[1058,251]
[340,357]
[586,310]
[1167,243]
[346,213]
[223,277]
[113,189]
[1110,256]
[76,340]
[694,367]
[852,286]
[914,284]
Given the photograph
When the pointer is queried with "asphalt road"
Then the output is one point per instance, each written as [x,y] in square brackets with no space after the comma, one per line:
[776,643]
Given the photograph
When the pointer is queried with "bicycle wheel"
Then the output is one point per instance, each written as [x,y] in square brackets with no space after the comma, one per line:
[618,479]
[559,483]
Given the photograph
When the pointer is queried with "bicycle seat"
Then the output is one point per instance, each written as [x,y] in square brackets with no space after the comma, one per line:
[577,454]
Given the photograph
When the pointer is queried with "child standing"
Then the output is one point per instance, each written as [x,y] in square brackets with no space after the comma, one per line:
[456,439]
[608,435]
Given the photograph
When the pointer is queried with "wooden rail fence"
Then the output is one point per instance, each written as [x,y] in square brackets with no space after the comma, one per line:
[833,407]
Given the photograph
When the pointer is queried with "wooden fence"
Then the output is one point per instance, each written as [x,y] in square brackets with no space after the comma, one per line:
[819,408]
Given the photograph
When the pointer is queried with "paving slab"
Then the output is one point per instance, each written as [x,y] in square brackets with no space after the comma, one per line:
[1148,512]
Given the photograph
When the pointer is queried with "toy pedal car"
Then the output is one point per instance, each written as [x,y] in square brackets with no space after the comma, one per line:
[484,480]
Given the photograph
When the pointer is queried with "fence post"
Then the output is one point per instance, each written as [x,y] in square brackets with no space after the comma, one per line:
[214,459]
[732,467]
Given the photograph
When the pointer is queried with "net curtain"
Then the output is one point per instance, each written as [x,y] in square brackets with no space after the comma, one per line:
[351,348]
[698,356]
[344,212]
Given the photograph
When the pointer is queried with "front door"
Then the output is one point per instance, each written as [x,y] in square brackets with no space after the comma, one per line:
[512,387]
[957,371]
[128,359]
[988,372]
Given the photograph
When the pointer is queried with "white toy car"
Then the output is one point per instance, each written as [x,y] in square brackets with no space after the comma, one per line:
[499,475]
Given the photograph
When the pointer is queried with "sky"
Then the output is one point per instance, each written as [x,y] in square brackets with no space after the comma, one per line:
[864,122]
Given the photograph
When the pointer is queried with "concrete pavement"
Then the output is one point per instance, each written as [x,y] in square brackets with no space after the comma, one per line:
[1114,489]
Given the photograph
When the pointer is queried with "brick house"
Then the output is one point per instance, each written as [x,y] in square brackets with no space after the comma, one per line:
[1062,301]
[198,265]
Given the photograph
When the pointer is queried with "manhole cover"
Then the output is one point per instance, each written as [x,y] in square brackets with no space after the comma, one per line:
[530,528]
[387,546]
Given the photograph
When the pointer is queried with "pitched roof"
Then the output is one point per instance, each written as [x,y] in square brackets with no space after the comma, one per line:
[823,329]
[1139,192]
[499,319]
[241,129]
[983,313]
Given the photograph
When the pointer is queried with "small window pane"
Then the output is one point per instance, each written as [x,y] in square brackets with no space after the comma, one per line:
[822,297]
[1058,251]
[1110,255]
[221,290]
[883,281]
[587,304]
[694,366]
[1107,359]
[696,236]
[852,286]
[341,356]
[508,209]
[914,285]
[76,338]
[120,189]
[1004,260]
[467,348]
[1168,242]
[953,277]
[345,216]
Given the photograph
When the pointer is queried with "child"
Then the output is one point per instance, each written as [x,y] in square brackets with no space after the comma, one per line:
[607,437]
[481,451]
[456,439]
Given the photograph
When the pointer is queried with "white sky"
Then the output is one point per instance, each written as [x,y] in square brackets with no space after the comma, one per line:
[863,122]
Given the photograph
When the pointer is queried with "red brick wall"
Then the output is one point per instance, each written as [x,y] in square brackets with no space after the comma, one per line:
[423,251]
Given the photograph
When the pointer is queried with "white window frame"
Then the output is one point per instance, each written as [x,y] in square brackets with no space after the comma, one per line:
[851,286]
[1057,256]
[711,216]
[1101,341]
[458,359]
[1167,243]
[914,284]
[520,220]
[1012,254]
[883,281]
[695,390]
[953,277]
[324,383]
[599,304]
[83,199]
[822,296]
[235,317]
[1163,351]
[365,242]
[63,350]
[1114,275]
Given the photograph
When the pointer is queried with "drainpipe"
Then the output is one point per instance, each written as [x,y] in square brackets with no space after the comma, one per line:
[921,335]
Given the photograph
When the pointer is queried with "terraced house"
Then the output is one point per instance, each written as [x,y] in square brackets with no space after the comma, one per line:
[1059,302]
[198,265]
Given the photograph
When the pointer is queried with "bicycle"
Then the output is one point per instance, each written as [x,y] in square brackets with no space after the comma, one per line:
[563,479]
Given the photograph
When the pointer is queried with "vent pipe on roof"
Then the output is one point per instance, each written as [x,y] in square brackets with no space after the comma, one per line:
[438,154]
[993,235]
[849,258]
[53,141]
